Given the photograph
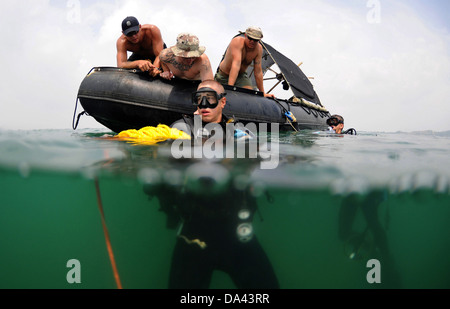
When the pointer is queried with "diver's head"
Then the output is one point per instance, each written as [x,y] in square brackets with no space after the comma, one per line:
[210,100]
[336,122]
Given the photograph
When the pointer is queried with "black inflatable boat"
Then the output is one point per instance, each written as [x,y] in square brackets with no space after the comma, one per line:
[123,99]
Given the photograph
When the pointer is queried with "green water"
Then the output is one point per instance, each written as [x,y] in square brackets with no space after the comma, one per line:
[49,210]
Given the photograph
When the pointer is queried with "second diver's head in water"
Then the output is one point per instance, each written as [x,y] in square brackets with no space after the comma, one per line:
[336,122]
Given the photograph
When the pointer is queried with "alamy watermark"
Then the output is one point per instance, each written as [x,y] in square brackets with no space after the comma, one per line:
[374,14]
[222,145]
[374,274]
[74,12]
[74,274]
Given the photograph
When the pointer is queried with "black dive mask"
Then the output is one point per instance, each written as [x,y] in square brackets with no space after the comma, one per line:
[207,98]
[333,121]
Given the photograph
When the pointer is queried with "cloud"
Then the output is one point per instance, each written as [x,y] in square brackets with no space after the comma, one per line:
[393,75]
[386,76]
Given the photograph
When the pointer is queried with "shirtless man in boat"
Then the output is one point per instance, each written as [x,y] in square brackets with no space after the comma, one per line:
[242,51]
[186,60]
[144,41]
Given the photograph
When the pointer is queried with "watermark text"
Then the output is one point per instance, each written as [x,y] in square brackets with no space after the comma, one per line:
[74,12]
[74,274]
[374,274]
[374,14]
[238,141]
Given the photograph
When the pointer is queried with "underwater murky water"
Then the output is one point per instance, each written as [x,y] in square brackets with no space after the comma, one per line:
[332,207]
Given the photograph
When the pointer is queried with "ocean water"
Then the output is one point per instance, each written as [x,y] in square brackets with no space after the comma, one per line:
[338,211]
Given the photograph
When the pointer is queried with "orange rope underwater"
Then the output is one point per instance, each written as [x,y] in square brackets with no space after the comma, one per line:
[108,241]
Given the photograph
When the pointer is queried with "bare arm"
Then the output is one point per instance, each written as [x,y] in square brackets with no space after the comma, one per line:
[121,53]
[158,46]
[259,74]
[205,69]
[163,58]
[236,55]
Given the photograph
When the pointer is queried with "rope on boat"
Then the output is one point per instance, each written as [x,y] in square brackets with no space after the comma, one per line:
[309,104]
[75,125]
[107,239]
[289,116]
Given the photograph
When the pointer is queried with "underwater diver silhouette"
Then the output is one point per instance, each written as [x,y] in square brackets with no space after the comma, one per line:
[216,231]
[357,243]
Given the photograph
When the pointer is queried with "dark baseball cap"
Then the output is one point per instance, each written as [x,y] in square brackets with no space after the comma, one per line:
[130,24]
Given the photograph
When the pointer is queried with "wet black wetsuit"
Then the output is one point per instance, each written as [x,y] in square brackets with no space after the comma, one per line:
[208,238]
[213,223]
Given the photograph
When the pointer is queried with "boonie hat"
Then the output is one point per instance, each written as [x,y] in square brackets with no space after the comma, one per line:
[254,33]
[187,46]
[130,24]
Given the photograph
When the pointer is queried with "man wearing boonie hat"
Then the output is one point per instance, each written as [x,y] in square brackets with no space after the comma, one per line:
[186,59]
[144,41]
[242,51]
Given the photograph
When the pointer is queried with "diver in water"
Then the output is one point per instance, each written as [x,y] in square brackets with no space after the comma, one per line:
[372,241]
[336,123]
[210,100]
[215,230]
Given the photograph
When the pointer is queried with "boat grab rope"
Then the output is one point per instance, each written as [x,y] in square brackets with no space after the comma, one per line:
[107,239]
[289,116]
[75,125]
[291,119]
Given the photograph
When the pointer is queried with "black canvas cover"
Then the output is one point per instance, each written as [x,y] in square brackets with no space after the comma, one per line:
[293,75]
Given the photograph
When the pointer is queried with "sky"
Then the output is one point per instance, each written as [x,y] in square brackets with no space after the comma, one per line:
[382,64]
